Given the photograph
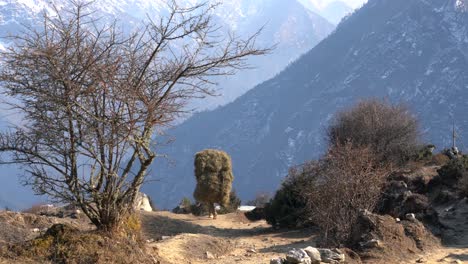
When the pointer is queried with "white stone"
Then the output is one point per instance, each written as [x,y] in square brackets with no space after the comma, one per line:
[277,261]
[142,203]
[411,217]
[298,256]
[331,256]
[246,208]
[313,254]
[373,243]
[209,255]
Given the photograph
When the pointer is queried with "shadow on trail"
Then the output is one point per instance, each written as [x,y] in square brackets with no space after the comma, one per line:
[462,257]
[156,226]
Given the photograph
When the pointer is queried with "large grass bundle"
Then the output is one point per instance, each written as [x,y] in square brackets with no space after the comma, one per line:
[213,171]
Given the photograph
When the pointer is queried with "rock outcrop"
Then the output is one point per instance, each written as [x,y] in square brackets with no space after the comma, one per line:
[143,203]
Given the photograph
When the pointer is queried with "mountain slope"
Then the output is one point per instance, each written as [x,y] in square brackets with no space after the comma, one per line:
[286,23]
[335,11]
[332,10]
[414,51]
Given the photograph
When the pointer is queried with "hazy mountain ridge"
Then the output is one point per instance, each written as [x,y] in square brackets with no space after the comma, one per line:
[288,24]
[332,10]
[404,51]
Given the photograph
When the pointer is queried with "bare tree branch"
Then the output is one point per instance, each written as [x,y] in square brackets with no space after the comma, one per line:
[92,98]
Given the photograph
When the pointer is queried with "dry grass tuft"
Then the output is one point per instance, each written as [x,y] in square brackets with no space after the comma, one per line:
[66,244]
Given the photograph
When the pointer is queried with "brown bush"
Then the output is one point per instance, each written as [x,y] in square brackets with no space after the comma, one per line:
[390,131]
[440,159]
[288,206]
[347,180]
[66,244]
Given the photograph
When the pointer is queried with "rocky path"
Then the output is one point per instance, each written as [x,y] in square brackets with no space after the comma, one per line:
[233,239]
[228,239]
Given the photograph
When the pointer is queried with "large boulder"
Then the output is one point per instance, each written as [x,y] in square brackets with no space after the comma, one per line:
[298,256]
[143,203]
[314,255]
[331,255]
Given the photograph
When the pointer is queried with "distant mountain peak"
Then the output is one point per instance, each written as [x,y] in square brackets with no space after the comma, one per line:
[332,10]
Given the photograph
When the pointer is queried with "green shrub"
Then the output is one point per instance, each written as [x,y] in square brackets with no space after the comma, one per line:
[199,209]
[234,203]
[455,174]
[287,208]
[184,207]
[424,153]
[261,199]
[454,170]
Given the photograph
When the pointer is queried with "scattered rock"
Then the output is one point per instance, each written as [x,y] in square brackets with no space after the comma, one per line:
[252,250]
[411,217]
[416,203]
[296,256]
[256,214]
[143,203]
[209,255]
[36,230]
[331,256]
[398,220]
[277,261]
[373,243]
[314,255]
[421,260]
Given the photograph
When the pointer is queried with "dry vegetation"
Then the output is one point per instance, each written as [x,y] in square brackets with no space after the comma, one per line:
[342,184]
[92,97]
[390,131]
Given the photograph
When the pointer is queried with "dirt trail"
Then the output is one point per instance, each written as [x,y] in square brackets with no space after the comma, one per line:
[230,239]
[455,219]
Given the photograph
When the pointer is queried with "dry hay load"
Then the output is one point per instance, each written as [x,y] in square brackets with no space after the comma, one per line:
[213,171]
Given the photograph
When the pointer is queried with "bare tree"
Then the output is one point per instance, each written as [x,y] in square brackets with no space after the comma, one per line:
[348,179]
[391,131]
[91,98]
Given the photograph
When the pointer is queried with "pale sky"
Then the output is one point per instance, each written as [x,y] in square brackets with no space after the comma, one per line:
[351,3]
[355,3]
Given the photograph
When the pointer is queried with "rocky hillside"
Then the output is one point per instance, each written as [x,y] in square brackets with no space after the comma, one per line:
[411,51]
